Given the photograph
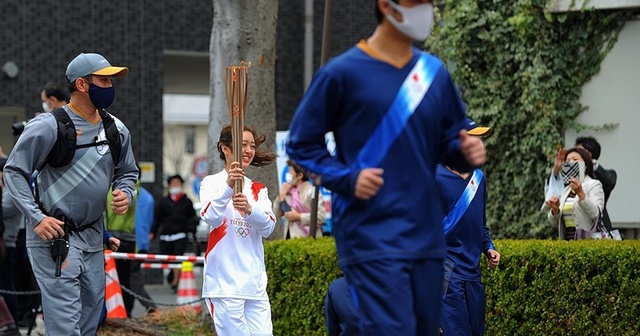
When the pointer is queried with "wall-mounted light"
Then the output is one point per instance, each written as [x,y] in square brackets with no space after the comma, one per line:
[10,69]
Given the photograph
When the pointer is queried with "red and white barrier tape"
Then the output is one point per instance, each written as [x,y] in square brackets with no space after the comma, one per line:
[160,266]
[159,257]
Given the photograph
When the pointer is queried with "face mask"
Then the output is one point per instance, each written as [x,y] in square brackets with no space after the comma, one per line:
[101,97]
[288,178]
[416,21]
[46,107]
[175,190]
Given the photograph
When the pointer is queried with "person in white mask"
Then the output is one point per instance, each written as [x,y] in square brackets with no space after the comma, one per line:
[294,204]
[395,114]
[174,217]
[53,96]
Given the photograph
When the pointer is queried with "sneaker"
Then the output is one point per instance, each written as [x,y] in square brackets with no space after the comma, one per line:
[174,289]
[151,313]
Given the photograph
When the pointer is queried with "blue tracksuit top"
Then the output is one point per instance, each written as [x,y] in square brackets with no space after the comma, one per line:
[470,237]
[349,96]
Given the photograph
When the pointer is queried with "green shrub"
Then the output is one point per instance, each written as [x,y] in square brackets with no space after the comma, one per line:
[542,287]
[300,271]
[564,288]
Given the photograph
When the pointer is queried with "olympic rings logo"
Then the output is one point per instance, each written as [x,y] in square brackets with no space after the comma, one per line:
[241,232]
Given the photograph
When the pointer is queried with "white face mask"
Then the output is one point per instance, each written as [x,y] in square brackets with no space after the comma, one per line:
[416,20]
[175,190]
[46,107]
[288,178]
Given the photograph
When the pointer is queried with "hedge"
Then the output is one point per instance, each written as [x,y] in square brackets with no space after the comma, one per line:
[542,287]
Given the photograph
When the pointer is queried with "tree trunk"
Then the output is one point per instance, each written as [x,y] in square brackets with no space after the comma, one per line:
[245,30]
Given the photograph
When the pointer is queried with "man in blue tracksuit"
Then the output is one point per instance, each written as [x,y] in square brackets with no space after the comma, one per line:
[340,315]
[463,197]
[395,114]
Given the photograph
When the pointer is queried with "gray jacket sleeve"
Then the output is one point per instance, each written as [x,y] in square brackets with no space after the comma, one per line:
[126,172]
[29,153]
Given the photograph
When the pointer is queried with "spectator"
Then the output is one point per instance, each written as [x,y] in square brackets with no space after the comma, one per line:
[173,219]
[13,221]
[394,113]
[235,279]
[463,196]
[53,96]
[25,281]
[575,212]
[340,316]
[81,199]
[8,325]
[144,220]
[125,229]
[297,194]
[607,177]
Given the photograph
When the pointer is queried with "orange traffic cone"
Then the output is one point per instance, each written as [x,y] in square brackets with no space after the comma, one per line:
[113,293]
[187,291]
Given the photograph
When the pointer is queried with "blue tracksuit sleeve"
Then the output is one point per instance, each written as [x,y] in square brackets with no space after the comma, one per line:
[306,145]
[487,242]
[106,235]
[450,101]
[144,219]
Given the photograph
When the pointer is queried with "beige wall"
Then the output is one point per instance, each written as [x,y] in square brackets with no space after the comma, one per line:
[177,160]
[613,96]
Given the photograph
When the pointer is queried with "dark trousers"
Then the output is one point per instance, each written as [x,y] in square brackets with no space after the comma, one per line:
[7,270]
[5,315]
[463,309]
[136,280]
[397,296]
[123,266]
[24,280]
[130,276]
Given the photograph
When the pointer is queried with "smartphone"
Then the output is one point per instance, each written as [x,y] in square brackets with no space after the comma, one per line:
[572,170]
[285,207]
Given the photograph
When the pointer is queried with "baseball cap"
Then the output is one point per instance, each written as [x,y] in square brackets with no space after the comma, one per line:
[474,129]
[92,64]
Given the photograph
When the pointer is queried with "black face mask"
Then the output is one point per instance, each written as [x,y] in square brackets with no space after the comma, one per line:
[101,97]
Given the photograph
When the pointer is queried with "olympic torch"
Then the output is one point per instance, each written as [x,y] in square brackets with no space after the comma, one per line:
[236,80]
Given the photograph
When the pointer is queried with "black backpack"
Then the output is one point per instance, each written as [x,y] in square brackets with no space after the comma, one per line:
[66,143]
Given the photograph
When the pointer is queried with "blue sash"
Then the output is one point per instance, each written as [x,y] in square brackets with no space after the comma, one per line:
[410,95]
[461,206]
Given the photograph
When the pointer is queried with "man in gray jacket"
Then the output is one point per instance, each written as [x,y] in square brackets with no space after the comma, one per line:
[72,302]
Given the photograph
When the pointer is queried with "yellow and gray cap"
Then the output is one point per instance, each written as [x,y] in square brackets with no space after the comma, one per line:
[92,64]
[474,129]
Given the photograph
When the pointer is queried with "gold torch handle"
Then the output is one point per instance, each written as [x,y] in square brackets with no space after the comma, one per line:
[236,82]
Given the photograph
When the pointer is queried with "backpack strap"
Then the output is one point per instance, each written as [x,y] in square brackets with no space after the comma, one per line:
[112,134]
[66,142]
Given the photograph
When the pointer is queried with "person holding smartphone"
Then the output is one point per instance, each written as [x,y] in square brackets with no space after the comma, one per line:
[576,210]
[294,204]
